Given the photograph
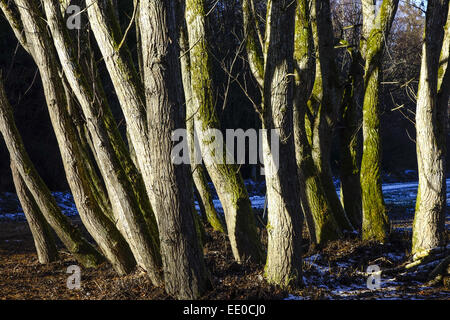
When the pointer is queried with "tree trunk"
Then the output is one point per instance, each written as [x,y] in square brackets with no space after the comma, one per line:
[375,224]
[284,226]
[431,118]
[319,217]
[199,174]
[120,175]
[228,181]
[350,142]
[40,229]
[69,235]
[324,106]
[74,158]
[185,272]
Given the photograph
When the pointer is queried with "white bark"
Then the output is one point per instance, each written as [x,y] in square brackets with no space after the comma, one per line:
[431,118]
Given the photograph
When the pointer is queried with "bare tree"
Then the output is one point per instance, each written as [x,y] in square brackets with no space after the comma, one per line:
[431,126]
[69,235]
[324,106]
[272,65]
[199,173]
[376,28]
[185,273]
[123,182]
[240,221]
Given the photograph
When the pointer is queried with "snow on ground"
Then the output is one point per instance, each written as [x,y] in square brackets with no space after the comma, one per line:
[403,194]
[10,206]
[345,280]
[342,279]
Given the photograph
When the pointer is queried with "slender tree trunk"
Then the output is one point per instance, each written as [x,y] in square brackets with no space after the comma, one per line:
[113,160]
[284,226]
[431,118]
[185,272]
[324,106]
[350,142]
[85,141]
[126,81]
[128,87]
[228,181]
[375,224]
[320,220]
[87,255]
[138,40]
[40,229]
[12,16]
[104,232]
[199,173]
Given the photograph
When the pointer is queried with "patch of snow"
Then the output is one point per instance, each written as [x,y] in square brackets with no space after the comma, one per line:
[292,297]
[395,257]
[343,265]
[13,216]
[258,202]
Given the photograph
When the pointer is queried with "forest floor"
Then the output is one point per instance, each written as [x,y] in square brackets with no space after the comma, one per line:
[336,271]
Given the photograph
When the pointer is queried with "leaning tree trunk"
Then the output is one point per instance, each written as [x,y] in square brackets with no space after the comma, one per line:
[319,217]
[375,224]
[431,118]
[128,87]
[199,173]
[284,225]
[103,230]
[126,81]
[123,182]
[185,272]
[40,229]
[227,179]
[71,237]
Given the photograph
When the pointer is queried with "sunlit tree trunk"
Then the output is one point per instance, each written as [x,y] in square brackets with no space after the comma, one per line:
[185,272]
[123,182]
[431,126]
[103,230]
[71,237]
[375,224]
[127,83]
[284,225]
[40,229]
[227,179]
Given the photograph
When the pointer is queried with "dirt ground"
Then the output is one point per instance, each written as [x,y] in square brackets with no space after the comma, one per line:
[333,272]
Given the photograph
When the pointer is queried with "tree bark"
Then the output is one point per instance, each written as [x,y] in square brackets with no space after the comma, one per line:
[375,224]
[324,105]
[284,226]
[185,272]
[87,255]
[123,182]
[99,226]
[126,81]
[228,181]
[40,229]
[431,118]
[319,217]
[199,173]
[350,141]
